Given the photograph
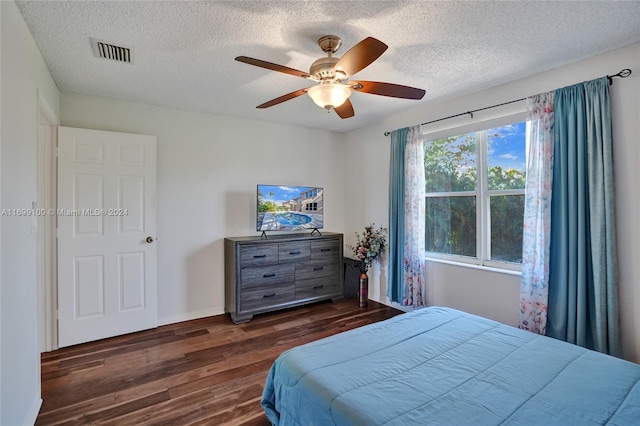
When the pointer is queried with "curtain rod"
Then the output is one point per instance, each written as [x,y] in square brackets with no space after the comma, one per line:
[622,74]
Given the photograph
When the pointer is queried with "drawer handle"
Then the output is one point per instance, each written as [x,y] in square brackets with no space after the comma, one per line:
[326,249]
[318,268]
[258,256]
[269,295]
[317,287]
[268,275]
[294,252]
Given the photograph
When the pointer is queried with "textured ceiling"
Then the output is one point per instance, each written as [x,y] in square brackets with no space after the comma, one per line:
[184,51]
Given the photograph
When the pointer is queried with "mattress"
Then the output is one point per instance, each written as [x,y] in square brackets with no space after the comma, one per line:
[440,366]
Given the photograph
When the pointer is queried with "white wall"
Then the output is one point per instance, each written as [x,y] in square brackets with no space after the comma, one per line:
[23,74]
[208,168]
[492,294]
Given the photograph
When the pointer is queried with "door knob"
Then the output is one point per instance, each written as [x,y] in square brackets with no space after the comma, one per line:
[149,240]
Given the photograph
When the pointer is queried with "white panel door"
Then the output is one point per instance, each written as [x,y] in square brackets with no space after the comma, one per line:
[106,234]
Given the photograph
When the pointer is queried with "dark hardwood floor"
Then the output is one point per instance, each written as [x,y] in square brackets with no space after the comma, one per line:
[202,372]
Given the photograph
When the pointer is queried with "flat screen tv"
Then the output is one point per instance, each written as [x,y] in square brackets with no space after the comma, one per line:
[289,208]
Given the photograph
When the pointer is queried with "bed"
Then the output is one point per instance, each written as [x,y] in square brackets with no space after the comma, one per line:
[440,366]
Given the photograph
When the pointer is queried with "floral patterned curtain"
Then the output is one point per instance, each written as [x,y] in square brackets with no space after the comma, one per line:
[414,223]
[537,215]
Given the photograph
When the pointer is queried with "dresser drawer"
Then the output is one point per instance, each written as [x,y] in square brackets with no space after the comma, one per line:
[266,297]
[317,287]
[261,276]
[258,255]
[326,249]
[293,252]
[316,269]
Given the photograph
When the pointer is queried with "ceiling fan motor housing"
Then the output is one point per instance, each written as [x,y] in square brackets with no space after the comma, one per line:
[323,69]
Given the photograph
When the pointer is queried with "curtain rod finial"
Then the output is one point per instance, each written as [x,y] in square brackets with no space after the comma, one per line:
[622,74]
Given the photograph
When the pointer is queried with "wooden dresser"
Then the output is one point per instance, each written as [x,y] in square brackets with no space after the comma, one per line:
[282,271]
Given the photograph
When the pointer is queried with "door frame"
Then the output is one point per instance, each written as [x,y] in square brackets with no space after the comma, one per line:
[46,244]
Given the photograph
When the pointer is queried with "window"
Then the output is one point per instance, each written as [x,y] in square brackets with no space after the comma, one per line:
[474,186]
[310,194]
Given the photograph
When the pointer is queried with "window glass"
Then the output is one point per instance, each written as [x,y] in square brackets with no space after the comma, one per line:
[506,156]
[507,214]
[450,164]
[451,225]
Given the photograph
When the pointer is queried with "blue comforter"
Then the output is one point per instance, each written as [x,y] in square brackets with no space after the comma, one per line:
[439,366]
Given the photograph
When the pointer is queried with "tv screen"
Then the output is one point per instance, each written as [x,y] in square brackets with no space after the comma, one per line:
[289,208]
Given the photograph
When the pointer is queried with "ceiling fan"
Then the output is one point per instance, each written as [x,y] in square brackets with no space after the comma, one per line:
[332,75]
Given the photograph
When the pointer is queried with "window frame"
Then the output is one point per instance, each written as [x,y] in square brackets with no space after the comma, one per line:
[482,193]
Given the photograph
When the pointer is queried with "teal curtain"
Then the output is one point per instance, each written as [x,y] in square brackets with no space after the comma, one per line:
[395,287]
[583,266]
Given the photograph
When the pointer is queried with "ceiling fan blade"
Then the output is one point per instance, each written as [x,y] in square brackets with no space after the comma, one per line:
[283,98]
[387,89]
[273,67]
[360,56]
[345,110]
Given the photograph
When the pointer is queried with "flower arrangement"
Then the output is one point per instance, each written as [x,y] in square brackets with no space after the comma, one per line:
[369,245]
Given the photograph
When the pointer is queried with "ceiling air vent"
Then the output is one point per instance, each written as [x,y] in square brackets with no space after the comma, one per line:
[106,50]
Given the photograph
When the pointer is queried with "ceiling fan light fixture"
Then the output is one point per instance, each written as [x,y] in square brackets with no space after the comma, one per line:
[329,95]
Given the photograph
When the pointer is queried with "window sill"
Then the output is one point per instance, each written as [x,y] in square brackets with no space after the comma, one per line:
[473,266]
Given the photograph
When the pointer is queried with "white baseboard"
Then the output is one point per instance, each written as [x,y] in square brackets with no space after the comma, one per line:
[218,310]
[398,306]
[32,414]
